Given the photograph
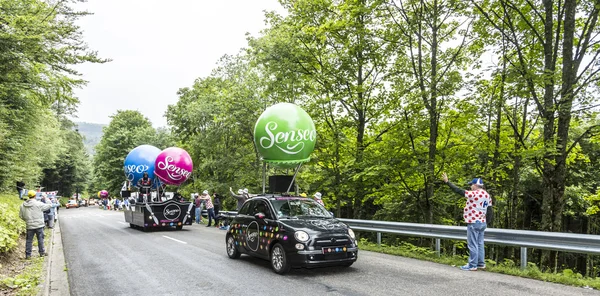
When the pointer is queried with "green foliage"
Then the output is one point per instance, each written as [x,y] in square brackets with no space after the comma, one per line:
[27,282]
[11,226]
[39,45]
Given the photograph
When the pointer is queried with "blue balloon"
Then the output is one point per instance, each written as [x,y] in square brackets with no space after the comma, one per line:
[139,160]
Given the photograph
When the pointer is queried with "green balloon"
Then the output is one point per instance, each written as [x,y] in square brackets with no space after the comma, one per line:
[285,135]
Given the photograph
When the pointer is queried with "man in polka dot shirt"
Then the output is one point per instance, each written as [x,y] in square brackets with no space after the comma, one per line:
[474,214]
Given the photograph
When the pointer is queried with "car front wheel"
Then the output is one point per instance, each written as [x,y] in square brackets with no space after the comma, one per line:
[279,260]
[232,250]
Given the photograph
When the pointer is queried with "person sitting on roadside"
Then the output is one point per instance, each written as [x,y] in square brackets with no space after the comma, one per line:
[32,212]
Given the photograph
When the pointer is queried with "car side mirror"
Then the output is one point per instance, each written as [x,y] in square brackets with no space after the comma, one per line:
[332,215]
[259,216]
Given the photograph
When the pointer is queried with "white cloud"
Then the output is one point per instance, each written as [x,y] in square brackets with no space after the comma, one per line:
[158,47]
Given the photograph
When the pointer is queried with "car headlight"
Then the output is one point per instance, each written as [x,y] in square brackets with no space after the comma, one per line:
[301,236]
[351,233]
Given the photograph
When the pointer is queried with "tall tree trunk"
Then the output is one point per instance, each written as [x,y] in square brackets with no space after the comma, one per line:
[548,169]
[433,115]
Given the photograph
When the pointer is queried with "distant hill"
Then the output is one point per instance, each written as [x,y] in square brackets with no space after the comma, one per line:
[92,133]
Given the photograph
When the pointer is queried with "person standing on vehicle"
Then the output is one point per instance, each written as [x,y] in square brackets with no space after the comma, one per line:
[474,215]
[318,199]
[210,208]
[145,185]
[32,212]
[240,196]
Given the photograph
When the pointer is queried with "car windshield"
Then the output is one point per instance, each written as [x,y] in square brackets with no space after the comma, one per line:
[289,208]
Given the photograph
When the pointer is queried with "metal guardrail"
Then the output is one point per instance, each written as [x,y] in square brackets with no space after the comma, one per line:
[557,241]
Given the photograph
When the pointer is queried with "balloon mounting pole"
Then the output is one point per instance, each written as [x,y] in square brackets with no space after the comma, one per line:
[294,177]
[264,177]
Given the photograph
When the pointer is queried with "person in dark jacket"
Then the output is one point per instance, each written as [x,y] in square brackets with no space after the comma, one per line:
[217,207]
[145,185]
[21,189]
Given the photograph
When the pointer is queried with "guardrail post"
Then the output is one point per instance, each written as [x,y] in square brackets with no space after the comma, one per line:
[523,258]
[437,246]
[379,238]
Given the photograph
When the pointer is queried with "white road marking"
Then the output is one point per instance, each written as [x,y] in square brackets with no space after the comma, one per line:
[179,241]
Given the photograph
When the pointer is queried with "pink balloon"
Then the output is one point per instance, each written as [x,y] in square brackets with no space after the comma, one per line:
[173,166]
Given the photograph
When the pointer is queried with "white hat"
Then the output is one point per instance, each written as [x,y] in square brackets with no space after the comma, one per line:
[245,190]
[317,195]
[240,191]
[205,192]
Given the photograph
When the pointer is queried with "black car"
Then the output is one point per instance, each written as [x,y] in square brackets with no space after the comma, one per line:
[290,232]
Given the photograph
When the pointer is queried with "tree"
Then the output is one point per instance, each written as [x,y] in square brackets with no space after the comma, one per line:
[337,58]
[432,68]
[555,44]
[127,130]
[39,44]
[214,120]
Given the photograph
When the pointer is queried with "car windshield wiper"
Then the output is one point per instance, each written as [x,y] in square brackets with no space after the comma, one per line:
[313,216]
[288,217]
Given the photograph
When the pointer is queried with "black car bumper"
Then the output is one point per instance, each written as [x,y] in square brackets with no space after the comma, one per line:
[316,258]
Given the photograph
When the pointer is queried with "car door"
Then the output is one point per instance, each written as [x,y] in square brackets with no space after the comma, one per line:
[240,224]
[261,230]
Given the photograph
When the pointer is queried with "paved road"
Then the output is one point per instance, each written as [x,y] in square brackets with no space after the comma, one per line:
[106,257]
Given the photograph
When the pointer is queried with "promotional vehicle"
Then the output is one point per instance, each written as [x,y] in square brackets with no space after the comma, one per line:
[151,170]
[290,232]
[154,215]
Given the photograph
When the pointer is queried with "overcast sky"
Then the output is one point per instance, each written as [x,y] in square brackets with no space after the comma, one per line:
[158,47]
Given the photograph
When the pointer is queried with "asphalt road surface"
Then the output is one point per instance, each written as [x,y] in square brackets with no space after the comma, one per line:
[106,257]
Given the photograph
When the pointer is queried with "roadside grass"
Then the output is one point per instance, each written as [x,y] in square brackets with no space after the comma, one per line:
[17,275]
[26,283]
[567,277]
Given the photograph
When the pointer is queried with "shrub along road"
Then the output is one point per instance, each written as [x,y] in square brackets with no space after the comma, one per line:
[106,257]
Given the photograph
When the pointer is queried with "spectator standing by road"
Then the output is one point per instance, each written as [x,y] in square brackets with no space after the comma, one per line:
[54,205]
[217,204]
[21,189]
[32,212]
[210,208]
[198,204]
[46,200]
[474,214]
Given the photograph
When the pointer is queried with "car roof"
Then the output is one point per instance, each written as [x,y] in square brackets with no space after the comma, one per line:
[272,197]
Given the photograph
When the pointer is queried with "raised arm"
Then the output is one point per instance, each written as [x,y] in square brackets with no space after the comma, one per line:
[454,188]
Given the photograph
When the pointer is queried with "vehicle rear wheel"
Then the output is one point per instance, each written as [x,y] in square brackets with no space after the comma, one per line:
[232,250]
[179,227]
[131,225]
[279,259]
